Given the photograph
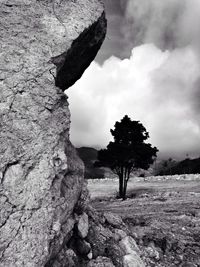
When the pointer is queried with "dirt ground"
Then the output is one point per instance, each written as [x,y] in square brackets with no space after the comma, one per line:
[162,214]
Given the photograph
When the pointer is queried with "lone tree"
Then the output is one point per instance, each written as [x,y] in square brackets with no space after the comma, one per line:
[128,152]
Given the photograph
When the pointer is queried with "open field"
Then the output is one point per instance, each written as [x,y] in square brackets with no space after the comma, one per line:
[163,215]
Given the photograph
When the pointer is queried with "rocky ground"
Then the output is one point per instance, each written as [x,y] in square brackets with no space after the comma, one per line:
[162,214]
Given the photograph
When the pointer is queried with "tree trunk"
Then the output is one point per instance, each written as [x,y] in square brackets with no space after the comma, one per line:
[121,186]
[126,178]
[123,180]
[124,189]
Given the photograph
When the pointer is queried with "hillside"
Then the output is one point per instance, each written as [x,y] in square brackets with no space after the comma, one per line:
[186,166]
[89,156]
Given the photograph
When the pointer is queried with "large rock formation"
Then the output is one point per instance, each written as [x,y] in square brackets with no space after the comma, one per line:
[45,219]
[45,47]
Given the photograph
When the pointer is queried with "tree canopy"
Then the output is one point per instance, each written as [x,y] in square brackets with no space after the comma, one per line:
[128,151]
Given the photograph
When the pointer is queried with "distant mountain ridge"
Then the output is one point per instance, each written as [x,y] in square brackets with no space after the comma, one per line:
[186,166]
[89,156]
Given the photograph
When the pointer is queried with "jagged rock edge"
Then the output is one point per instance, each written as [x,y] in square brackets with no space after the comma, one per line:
[69,67]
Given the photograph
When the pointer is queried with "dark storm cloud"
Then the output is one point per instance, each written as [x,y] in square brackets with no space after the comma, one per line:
[153,21]
[168,24]
[115,43]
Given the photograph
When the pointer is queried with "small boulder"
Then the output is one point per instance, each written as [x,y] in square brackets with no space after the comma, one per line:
[98,237]
[152,253]
[82,225]
[113,219]
[115,253]
[101,262]
[66,257]
[132,260]
[83,201]
[129,245]
[89,256]
[70,258]
[132,257]
[119,234]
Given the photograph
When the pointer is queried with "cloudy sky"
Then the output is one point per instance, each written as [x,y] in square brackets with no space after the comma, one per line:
[147,68]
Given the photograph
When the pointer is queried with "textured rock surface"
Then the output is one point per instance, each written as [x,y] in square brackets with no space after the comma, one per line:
[113,219]
[132,260]
[41,177]
[101,262]
[129,245]
[45,219]
[132,257]
[82,225]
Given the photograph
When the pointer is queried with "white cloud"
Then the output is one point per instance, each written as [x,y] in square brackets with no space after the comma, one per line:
[158,88]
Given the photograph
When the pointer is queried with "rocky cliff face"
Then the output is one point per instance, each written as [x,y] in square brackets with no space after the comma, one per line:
[45,219]
[45,48]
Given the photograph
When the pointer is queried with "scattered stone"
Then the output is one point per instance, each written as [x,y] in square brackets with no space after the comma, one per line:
[83,201]
[119,234]
[161,199]
[132,251]
[113,219]
[145,195]
[98,237]
[115,253]
[66,257]
[71,258]
[133,260]
[98,218]
[152,253]
[101,262]
[129,245]
[89,255]
[82,225]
